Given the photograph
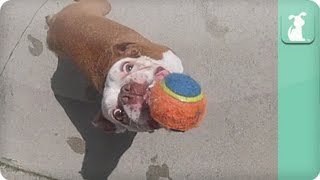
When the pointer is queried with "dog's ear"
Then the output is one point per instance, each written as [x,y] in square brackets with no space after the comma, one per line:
[291,17]
[303,14]
[127,49]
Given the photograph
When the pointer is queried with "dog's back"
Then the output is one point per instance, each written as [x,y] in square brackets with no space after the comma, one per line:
[81,32]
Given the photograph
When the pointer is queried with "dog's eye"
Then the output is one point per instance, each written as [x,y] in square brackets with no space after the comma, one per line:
[127,67]
[120,116]
[117,114]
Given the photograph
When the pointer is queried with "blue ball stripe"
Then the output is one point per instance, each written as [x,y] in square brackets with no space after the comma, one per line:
[182,85]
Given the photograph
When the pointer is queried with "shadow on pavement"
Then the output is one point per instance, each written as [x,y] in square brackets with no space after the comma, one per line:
[103,151]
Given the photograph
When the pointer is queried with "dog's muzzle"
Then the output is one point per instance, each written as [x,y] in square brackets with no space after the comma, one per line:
[132,99]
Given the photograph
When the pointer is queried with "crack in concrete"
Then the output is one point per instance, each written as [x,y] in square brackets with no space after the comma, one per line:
[16,169]
[18,42]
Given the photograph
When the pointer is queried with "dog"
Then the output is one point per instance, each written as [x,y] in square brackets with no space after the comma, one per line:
[120,63]
[295,30]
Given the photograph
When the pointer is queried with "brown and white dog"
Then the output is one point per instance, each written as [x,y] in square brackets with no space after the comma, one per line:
[119,62]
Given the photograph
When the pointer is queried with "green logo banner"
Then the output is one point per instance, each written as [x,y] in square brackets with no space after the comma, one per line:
[298,90]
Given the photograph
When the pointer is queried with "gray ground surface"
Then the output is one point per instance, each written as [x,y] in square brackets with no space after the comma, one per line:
[229,46]
[12,173]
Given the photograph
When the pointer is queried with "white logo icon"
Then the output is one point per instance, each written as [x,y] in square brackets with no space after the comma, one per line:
[317,2]
[318,177]
[295,30]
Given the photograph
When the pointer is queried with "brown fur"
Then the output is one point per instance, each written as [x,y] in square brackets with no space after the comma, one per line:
[94,43]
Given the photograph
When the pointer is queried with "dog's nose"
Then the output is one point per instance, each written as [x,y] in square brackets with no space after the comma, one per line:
[126,88]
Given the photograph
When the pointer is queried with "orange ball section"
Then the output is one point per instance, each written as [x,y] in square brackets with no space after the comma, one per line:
[174,114]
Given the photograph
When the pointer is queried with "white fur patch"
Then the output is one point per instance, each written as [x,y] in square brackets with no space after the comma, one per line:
[142,71]
[134,112]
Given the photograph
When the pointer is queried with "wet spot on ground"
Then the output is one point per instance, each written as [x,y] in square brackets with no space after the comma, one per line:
[37,46]
[77,144]
[155,172]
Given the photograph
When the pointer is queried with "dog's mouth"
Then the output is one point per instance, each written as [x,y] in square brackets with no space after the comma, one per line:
[160,73]
[133,109]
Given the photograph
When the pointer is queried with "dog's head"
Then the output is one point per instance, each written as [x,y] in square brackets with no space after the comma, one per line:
[126,88]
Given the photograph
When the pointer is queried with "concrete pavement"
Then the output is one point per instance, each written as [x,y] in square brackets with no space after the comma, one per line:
[8,172]
[229,46]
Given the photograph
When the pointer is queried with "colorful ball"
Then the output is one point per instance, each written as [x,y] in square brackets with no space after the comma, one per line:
[177,102]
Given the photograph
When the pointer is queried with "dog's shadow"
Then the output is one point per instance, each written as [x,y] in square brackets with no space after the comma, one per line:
[102,151]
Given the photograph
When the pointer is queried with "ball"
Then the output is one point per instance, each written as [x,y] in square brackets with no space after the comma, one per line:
[177,102]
